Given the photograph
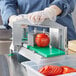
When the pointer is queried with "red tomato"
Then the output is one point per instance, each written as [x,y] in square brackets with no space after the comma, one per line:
[45,70]
[67,69]
[42,40]
[51,70]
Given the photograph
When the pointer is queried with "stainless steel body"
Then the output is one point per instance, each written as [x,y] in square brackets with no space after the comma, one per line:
[31,39]
[57,32]
[60,37]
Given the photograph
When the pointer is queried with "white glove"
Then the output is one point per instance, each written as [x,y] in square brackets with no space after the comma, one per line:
[40,16]
[13,19]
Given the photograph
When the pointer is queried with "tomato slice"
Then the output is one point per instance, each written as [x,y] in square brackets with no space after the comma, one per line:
[50,70]
[67,69]
[45,70]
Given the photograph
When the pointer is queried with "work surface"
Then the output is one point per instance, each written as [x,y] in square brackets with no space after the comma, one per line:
[10,67]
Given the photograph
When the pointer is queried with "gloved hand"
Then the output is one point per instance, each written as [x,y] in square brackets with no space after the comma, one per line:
[13,19]
[40,16]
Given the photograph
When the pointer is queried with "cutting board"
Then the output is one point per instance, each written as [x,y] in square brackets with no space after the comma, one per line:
[72,46]
[46,51]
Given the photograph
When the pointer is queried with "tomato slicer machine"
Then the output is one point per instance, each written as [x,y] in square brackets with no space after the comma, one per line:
[24,44]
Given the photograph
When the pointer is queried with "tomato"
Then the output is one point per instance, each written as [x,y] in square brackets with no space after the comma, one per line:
[67,69]
[50,70]
[42,40]
[45,70]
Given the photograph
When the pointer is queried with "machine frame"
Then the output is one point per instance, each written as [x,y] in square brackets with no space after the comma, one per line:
[58,35]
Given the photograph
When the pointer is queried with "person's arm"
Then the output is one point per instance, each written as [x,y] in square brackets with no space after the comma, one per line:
[57,8]
[50,12]
[8,8]
[67,6]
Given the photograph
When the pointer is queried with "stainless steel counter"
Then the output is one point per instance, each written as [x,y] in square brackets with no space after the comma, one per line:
[10,67]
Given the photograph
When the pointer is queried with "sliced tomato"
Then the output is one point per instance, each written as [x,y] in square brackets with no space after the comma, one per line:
[45,70]
[67,69]
[51,70]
